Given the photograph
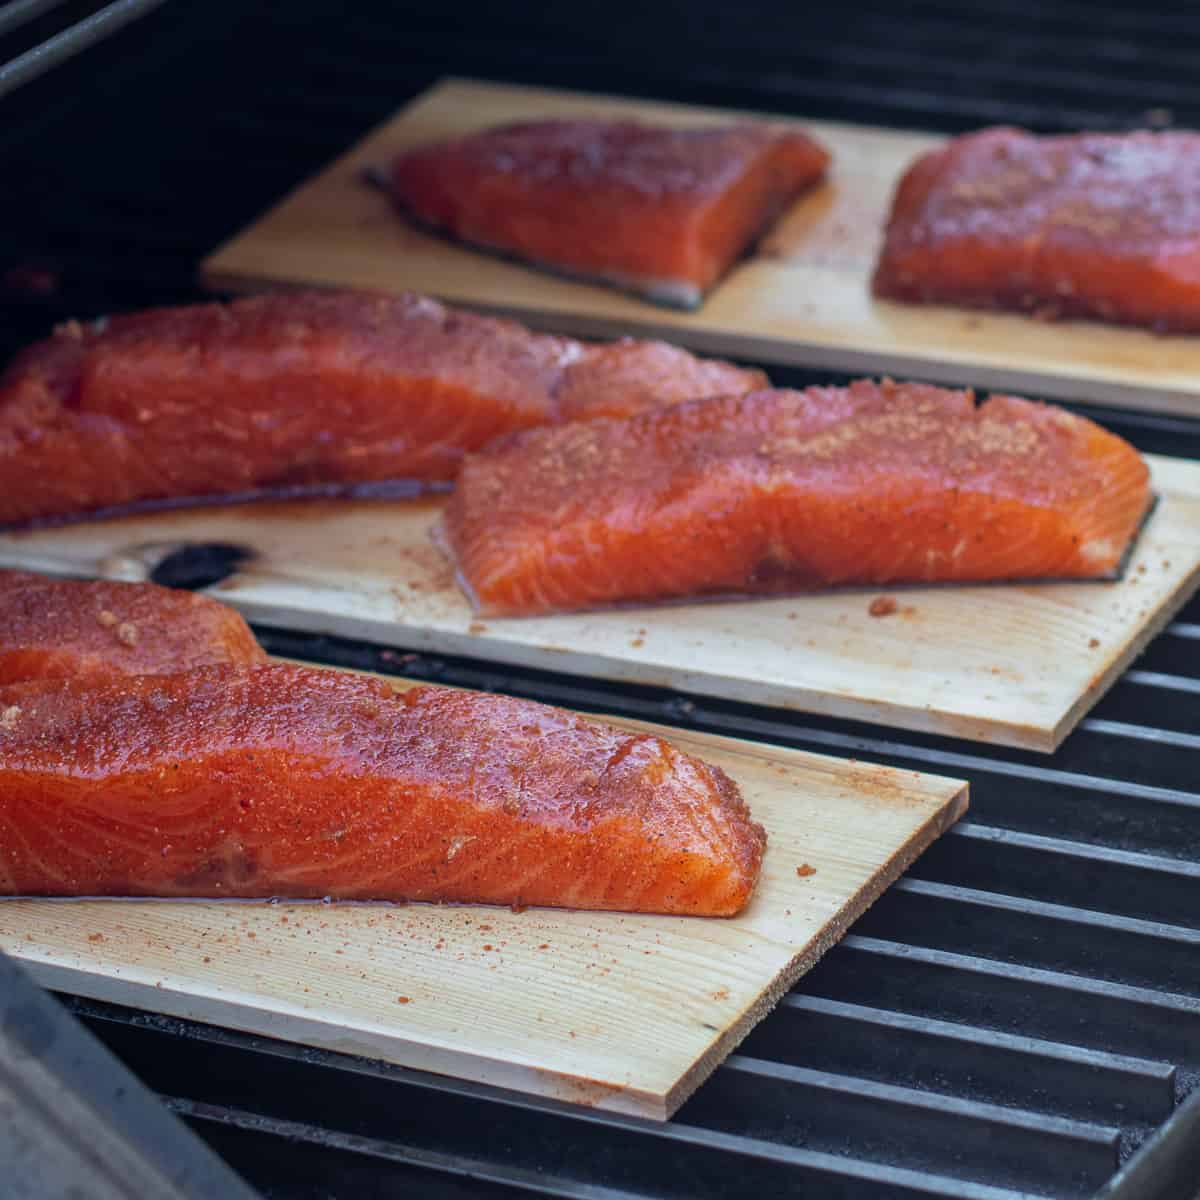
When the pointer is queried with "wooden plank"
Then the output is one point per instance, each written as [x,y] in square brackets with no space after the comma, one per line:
[1012,664]
[628,1013]
[801,299]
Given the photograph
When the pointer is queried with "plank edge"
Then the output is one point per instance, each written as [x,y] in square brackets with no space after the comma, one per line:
[1138,641]
[936,824]
[305,1029]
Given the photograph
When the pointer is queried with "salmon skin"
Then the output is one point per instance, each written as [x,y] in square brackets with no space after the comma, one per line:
[780,491]
[289,781]
[1087,225]
[96,630]
[298,389]
[663,213]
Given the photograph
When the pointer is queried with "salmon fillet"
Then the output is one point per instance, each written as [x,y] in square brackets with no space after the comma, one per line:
[282,780]
[660,212]
[623,378]
[93,630]
[1087,225]
[787,491]
[298,389]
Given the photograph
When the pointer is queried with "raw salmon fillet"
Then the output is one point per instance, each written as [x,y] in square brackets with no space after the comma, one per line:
[660,212]
[1087,225]
[298,389]
[289,781]
[786,491]
[622,378]
[61,627]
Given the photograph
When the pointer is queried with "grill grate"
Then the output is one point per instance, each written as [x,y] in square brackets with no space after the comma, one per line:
[1021,1015]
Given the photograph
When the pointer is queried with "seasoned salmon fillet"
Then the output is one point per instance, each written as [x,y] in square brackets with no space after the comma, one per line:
[1086,225]
[622,378]
[657,211]
[94,630]
[788,490]
[282,780]
[298,389]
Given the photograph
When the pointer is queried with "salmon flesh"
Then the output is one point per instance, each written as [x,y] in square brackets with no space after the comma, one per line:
[1087,225]
[148,748]
[295,390]
[660,212]
[283,780]
[783,491]
[95,630]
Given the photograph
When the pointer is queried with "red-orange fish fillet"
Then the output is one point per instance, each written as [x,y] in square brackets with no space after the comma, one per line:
[784,490]
[299,389]
[288,781]
[61,627]
[657,211]
[1088,225]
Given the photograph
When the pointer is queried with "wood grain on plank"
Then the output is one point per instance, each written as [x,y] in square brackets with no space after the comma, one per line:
[802,298]
[627,1013]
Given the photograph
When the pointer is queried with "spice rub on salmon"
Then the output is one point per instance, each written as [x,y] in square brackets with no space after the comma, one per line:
[288,781]
[95,630]
[661,212]
[788,491]
[1086,225]
[298,389]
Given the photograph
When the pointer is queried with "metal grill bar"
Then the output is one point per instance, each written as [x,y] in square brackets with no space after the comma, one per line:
[918,1129]
[731,1122]
[1185,629]
[1064,872]
[835,1176]
[62,46]
[1015,929]
[1022,1072]
[19,12]
[478,1170]
[1012,998]
[372,1101]
[1158,679]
